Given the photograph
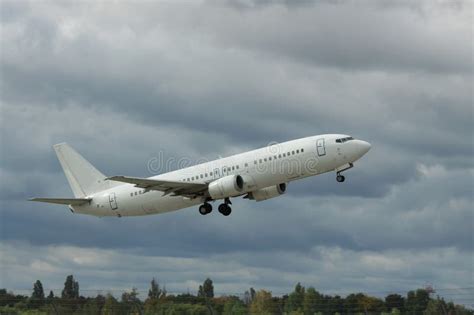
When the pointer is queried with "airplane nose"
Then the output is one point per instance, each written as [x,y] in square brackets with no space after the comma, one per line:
[364,147]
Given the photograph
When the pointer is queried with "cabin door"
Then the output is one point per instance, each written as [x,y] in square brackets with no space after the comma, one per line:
[113,201]
[216,173]
[320,147]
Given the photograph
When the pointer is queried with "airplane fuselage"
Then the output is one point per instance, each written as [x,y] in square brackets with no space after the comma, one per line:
[265,167]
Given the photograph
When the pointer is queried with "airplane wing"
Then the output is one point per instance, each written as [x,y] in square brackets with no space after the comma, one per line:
[168,187]
[63,201]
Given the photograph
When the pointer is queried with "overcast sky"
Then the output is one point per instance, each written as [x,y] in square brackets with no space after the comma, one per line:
[124,82]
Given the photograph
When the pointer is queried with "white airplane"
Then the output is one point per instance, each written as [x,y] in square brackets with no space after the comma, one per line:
[258,175]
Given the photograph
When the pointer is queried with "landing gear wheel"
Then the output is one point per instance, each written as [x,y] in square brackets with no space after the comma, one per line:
[225,209]
[202,209]
[205,208]
[340,178]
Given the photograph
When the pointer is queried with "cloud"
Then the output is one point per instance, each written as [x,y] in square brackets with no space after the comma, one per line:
[431,211]
[355,271]
[423,37]
[126,84]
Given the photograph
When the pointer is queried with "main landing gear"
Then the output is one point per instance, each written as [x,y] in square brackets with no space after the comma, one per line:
[223,208]
[340,178]
[205,208]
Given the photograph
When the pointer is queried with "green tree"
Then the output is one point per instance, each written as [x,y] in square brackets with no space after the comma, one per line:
[434,307]
[249,296]
[312,299]
[395,301]
[130,302]
[206,289]
[331,305]
[155,291]
[92,306]
[417,301]
[37,296]
[295,299]
[111,306]
[439,306]
[263,304]
[253,293]
[354,303]
[372,305]
[50,295]
[38,292]
[71,288]
[131,296]
[9,299]
[234,306]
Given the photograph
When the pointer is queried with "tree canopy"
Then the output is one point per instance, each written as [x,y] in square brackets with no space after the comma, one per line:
[301,301]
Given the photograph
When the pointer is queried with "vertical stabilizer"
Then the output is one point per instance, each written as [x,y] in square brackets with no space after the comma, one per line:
[83,178]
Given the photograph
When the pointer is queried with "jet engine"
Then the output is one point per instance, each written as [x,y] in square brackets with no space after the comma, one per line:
[228,186]
[268,192]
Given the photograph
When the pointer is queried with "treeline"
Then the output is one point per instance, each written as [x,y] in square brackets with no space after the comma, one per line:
[302,301]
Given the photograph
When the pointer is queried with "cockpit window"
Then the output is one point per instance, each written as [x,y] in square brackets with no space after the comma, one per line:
[342,140]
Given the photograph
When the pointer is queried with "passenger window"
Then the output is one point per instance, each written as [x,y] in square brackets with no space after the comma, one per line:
[270,158]
[260,161]
[265,159]
[131,194]
[288,153]
[237,167]
[297,151]
[202,176]
[246,165]
[293,152]
[284,155]
[279,156]
[136,193]
[302,150]
[233,168]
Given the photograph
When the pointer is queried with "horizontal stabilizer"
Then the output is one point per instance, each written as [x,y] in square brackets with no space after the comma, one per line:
[64,201]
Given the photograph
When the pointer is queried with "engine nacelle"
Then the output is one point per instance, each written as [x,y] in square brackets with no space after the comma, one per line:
[228,186]
[268,192]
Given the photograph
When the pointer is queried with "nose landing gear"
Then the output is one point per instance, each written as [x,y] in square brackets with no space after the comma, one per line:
[340,178]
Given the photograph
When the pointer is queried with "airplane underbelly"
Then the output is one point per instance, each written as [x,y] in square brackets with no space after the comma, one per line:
[170,203]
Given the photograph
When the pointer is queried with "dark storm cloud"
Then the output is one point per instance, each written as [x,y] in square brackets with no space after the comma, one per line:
[126,83]
[298,223]
[373,36]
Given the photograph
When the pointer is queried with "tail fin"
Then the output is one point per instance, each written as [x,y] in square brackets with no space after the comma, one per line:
[83,178]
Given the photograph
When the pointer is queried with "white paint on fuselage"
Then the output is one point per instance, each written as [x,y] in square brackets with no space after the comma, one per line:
[133,201]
